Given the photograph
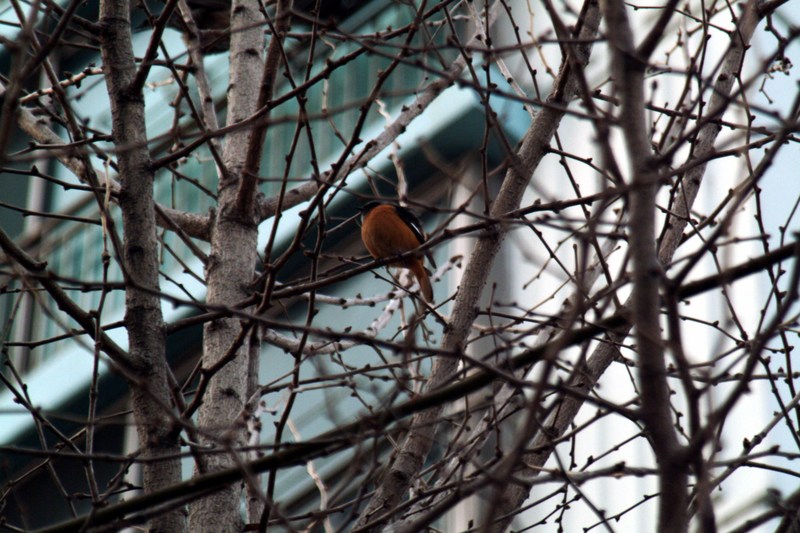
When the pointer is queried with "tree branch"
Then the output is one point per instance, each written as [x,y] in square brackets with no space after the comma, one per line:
[143,319]
[248,185]
[377,423]
[71,157]
[412,452]
[230,270]
[629,70]
[587,374]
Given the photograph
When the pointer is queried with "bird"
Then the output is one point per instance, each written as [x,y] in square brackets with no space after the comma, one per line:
[387,230]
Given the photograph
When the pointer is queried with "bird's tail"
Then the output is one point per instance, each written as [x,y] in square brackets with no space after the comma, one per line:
[422,278]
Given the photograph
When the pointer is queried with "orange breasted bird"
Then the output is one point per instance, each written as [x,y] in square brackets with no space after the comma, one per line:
[388,230]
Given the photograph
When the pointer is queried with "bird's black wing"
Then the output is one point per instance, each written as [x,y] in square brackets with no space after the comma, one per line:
[413,222]
[416,226]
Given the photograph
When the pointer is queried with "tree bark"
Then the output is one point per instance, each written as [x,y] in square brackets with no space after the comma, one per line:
[230,271]
[628,68]
[158,433]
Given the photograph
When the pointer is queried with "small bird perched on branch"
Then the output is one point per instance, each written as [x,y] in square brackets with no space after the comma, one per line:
[388,229]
